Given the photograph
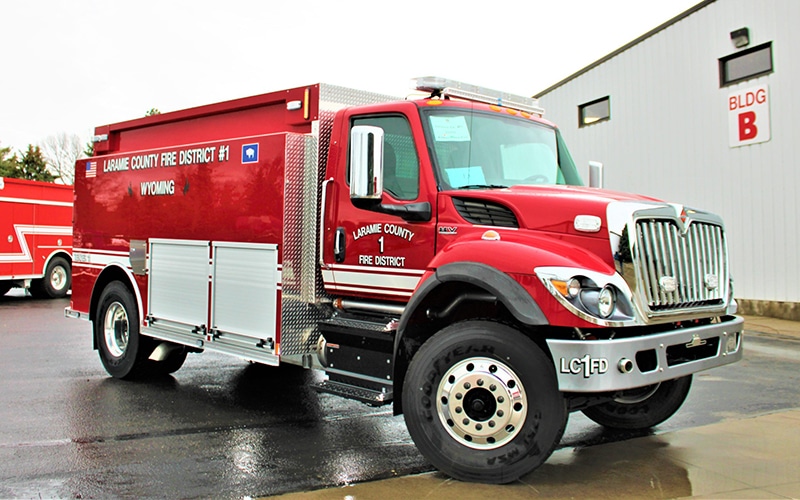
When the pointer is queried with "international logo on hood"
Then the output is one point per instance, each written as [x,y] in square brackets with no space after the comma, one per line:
[684,216]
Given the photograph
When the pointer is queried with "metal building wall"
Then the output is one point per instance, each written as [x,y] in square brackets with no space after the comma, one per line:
[668,133]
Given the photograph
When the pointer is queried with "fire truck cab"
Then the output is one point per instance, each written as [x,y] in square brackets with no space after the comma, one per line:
[440,254]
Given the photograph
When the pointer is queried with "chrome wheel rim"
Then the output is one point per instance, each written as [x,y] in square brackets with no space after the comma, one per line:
[634,396]
[481,403]
[115,329]
[58,278]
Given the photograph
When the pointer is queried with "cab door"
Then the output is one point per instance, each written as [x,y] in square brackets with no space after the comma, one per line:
[381,247]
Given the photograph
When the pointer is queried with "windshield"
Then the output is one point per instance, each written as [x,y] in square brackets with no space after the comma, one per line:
[474,149]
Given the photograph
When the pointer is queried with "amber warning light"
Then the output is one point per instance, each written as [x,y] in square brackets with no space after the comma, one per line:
[444,87]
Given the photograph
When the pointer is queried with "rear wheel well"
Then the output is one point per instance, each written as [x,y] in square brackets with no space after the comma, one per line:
[56,277]
[65,255]
[451,302]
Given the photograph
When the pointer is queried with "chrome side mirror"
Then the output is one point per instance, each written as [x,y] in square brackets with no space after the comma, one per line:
[366,162]
[595,174]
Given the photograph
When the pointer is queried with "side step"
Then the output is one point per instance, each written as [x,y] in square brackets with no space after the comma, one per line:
[358,358]
[368,396]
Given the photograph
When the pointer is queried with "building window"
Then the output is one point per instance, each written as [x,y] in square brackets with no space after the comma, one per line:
[596,111]
[746,64]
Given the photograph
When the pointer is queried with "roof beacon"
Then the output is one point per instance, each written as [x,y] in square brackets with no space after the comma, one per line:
[444,87]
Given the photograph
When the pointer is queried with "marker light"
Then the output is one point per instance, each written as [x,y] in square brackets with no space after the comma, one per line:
[732,343]
[587,223]
[491,235]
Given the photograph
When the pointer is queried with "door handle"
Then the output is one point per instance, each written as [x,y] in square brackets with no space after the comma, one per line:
[338,245]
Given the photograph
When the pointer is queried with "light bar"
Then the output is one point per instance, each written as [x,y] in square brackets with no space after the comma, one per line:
[453,88]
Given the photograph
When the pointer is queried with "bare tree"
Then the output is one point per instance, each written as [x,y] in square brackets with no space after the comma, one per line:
[61,151]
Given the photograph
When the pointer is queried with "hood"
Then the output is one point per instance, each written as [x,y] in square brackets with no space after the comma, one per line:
[554,208]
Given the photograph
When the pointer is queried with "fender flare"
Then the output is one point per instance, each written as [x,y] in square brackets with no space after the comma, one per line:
[114,271]
[506,289]
[502,286]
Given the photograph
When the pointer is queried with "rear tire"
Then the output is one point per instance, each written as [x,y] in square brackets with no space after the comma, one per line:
[171,364]
[481,402]
[4,288]
[122,349]
[56,281]
[642,408]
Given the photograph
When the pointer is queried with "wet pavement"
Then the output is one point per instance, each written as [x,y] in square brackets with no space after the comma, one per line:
[750,458]
[220,428]
[743,458]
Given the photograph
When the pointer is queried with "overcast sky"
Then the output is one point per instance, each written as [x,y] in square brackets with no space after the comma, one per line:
[69,66]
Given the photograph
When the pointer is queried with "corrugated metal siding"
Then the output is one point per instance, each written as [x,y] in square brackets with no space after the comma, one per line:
[668,134]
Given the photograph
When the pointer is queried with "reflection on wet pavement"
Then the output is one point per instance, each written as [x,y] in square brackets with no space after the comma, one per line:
[746,458]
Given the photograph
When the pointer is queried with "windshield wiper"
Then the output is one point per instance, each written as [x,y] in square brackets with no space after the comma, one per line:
[483,186]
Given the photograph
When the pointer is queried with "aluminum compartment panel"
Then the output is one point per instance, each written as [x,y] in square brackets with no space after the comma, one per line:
[178,280]
[244,289]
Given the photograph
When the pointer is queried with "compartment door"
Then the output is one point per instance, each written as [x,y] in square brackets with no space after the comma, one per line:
[178,281]
[244,291]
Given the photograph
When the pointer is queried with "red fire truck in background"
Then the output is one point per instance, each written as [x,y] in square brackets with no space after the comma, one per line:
[440,254]
[35,237]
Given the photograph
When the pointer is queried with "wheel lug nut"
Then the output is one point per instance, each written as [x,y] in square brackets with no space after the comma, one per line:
[480,382]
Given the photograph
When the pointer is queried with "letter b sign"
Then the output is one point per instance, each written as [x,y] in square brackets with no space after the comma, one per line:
[748,116]
[747,126]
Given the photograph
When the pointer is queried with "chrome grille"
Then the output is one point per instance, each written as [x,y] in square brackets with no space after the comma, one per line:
[679,270]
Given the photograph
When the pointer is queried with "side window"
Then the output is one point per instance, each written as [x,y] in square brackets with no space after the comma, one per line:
[400,162]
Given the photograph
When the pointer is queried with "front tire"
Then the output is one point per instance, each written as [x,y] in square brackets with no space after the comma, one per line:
[481,402]
[123,351]
[642,408]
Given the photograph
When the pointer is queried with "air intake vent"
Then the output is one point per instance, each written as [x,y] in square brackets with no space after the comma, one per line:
[485,213]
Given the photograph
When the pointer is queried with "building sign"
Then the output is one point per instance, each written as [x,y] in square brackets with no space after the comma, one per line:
[748,116]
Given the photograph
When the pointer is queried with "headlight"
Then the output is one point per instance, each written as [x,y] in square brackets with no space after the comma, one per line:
[573,287]
[594,297]
[569,288]
[606,302]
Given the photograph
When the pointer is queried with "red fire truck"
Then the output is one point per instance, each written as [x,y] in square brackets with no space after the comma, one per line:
[440,254]
[35,237]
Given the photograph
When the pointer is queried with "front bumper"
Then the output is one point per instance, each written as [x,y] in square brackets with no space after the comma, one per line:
[72,313]
[591,366]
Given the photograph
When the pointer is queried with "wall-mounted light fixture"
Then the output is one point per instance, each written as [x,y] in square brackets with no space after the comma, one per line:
[740,38]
